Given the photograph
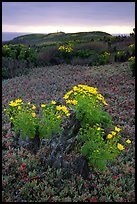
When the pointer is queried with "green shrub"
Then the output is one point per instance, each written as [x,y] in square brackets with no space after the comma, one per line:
[85,53]
[132,49]
[19,52]
[121,56]
[132,65]
[87,105]
[65,53]
[104,58]
[99,147]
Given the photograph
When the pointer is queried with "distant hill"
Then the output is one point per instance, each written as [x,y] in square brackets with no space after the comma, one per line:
[47,39]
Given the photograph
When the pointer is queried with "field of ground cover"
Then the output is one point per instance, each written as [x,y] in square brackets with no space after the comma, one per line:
[116,84]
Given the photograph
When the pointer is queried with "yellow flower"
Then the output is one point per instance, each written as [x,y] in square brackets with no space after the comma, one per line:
[113,133]
[105,103]
[12,104]
[18,100]
[128,141]
[98,128]
[120,147]
[4,109]
[19,107]
[109,136]
[43,105]
[28,103]
[117,129]
[53,102]
[33,115]
[66,96]
[58,116]
[64,109]
[73,102]
[67,114]
[33,107]
[131,58]
[58,107]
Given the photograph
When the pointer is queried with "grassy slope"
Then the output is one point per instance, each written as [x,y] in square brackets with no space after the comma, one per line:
[116,84]
[57,37]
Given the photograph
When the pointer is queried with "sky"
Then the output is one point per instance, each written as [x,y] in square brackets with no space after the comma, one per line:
[68,17]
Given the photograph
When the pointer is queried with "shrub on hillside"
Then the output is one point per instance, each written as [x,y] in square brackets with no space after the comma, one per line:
[132,49]
[19,52]
[104,58]
[132,65]
[121,56]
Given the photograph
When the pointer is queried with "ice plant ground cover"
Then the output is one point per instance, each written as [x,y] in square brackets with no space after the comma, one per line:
[25,179]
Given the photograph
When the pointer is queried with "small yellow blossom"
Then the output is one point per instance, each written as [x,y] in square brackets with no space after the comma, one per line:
[113,133]
[19,107]
[4,109]
[58,116]
[109,136]
[58,107]
[98,128]
[18,100]
[67,114]
[117,129]
[120,147]
[33,115]
[43,105]
[28,103]
[33,107]
[13,104]
[128,141]
[53,102]
[105,103]
[73,102]
[131,58]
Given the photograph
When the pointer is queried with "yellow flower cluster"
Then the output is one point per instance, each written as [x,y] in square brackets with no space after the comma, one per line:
[113,133]
[66,49]
[131,58]
[73,102]
[132,45]
[66,96]
[15,103]
[64,109]
[85,90]
[106,53]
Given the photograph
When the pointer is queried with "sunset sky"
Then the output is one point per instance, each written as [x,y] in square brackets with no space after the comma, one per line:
[69,17]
